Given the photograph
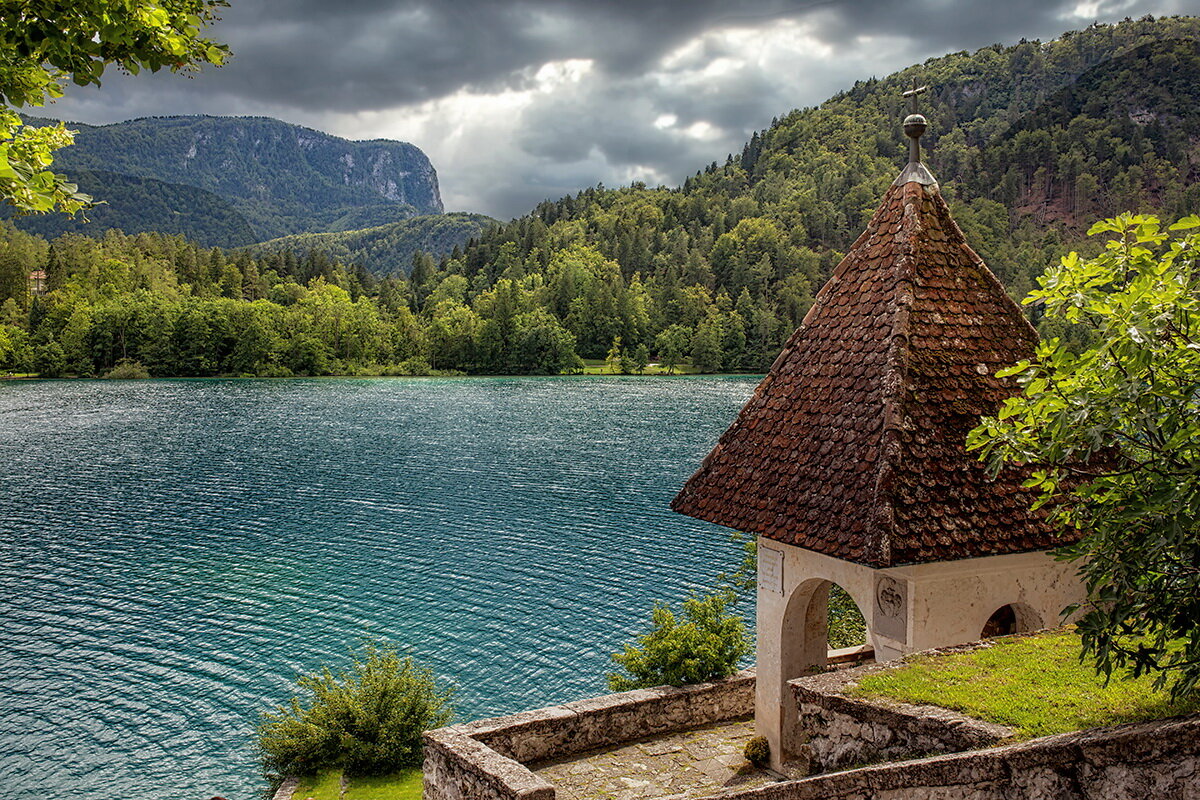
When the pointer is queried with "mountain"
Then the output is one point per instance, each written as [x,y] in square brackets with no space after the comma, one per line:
[1031,144]
[387,249]
[281,178]
[140,205]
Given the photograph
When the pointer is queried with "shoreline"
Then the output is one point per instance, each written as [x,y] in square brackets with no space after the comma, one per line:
[582,375]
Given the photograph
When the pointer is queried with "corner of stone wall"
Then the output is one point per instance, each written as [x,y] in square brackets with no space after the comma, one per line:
[1159,759]
[841,730]
[485,759]
[458,767]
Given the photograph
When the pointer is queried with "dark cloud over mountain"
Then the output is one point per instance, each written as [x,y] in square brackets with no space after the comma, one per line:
[518,101]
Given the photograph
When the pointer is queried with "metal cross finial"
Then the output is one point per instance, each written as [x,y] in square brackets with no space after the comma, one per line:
[912,94]
[914,123]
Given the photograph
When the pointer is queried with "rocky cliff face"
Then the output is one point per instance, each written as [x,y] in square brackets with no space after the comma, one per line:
[282,178]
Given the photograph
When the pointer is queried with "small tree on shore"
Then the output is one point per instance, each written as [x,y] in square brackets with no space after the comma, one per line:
[640,359]
[705,642]
[1113,433]
[672,343]
[615,358]
[367,719]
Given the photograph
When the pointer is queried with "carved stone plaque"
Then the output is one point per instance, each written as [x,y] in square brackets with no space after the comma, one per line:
[891,608]
[770,570]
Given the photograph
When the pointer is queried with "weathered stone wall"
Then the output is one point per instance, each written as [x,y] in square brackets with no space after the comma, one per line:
[839,730]
[484,760]
[1131,762]
[458,767]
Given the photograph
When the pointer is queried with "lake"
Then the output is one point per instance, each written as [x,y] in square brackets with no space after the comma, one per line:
[174,553]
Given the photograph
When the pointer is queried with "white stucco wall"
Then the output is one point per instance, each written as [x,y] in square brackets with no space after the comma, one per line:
[907,609]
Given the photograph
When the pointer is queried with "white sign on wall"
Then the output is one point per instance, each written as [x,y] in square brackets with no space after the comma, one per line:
[770,570]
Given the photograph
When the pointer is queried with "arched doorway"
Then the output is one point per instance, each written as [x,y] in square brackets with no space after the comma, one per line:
[1009,619]
[819,615]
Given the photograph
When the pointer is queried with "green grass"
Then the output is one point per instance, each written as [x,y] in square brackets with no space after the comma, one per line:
[1035,684]
[405,786]
[598,366]
[328,785]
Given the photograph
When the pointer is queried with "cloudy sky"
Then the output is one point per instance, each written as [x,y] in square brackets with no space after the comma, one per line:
[516,102]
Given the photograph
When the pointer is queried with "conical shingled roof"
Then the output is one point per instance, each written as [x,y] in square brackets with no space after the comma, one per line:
[853,445]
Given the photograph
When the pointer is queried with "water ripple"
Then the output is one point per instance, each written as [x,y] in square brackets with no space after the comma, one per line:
[175,552]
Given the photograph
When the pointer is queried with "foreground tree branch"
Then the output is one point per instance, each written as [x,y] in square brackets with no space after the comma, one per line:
[1117,430]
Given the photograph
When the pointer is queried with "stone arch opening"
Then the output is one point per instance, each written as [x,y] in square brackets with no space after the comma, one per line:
[847,625]
[805,640]
[820,616]
[1009,619]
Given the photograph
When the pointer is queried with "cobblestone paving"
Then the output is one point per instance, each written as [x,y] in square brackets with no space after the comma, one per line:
[693,763]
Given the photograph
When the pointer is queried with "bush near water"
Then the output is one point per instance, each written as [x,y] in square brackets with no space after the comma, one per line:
[366,719]
[705,642]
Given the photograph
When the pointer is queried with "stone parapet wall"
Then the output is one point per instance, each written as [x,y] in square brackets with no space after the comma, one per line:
[840,730]
[1130,762]
[458,767]
[485,760]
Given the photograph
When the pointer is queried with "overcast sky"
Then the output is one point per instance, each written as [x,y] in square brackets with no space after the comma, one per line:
[516,102]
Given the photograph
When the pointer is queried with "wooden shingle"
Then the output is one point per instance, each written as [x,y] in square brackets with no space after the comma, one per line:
[854,443]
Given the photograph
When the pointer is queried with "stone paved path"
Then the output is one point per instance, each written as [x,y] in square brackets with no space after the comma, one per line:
[693,763]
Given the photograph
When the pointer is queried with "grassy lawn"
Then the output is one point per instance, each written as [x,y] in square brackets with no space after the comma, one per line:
[1035,684]
[328,785]
[598,366]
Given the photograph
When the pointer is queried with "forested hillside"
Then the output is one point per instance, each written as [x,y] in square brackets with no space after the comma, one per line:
[179,309]
[1031,143]
[142,205]
[281,178]
[387,249]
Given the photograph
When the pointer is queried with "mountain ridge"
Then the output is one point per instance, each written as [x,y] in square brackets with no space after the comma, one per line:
[718,271]
[282,178]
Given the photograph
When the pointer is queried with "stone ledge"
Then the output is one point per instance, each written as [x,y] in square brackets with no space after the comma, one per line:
[458,767]
[486,758]
[842,730]
[1144,759]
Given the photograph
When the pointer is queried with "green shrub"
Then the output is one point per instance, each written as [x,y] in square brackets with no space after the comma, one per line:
[274,371]
[707,643]
[49,360]
[847,628]
[412,366]
[758,751]
[127,370]
[367,719]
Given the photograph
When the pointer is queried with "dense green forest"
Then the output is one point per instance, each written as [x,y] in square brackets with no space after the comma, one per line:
[143,205]
[1031,143]
[176,308]
[387,249]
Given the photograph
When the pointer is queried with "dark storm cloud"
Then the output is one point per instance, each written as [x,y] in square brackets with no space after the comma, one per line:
[366,54]
[644,102]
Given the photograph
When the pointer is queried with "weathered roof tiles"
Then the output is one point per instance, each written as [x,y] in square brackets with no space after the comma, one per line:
[854,443]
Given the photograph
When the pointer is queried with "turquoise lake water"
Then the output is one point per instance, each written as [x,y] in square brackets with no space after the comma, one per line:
[173,553]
